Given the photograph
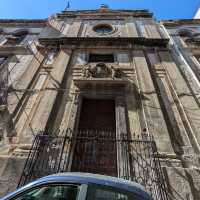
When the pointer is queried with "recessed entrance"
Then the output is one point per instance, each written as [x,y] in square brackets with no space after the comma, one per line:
[97,115]
[95,151]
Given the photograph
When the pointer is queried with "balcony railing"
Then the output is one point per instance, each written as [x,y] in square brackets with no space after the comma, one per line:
[97,152]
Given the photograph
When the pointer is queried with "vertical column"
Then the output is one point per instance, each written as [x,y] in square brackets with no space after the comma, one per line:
[72,129]
[187,105]
[131,29]
[153,116]
[180,139]
[73,31]
[123,166]
[45,106]
[75,113]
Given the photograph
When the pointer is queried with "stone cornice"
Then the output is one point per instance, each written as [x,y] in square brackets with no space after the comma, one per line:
[103,41]
[173,23]
[7,50]
[23,22]
[108,13]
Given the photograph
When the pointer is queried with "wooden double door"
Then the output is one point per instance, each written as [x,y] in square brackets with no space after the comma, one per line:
[95,146]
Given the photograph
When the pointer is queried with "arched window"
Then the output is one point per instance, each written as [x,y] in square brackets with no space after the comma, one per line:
[185,33]
[186,36]
[20,33]
[2,60]
[16,37]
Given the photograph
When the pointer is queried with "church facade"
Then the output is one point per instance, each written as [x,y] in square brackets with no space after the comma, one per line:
[103,91]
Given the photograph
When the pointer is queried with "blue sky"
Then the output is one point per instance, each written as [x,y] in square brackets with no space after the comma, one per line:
[34,9]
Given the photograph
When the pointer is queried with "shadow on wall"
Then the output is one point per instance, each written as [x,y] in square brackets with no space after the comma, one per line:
[183,183]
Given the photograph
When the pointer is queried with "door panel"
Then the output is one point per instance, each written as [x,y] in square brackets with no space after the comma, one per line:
[95,151]
[97,115]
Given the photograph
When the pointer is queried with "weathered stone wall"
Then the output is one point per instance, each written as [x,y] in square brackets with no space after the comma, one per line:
[182,69]
[160,96]
[24,65]
[10,169]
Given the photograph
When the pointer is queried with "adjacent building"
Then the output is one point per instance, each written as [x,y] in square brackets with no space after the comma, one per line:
[102,91]
[197,14]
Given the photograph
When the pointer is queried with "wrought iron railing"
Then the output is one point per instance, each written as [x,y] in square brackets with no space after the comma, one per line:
[97,152]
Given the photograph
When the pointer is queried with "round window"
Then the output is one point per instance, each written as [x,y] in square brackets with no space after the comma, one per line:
[103,29]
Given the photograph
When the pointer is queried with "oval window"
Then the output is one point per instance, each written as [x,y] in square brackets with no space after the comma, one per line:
[103,29]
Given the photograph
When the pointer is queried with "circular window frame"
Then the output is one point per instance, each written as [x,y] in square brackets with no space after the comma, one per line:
[113,29]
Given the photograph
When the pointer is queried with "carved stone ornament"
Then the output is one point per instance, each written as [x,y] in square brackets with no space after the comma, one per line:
[87,71]
[100,70]
[116,73]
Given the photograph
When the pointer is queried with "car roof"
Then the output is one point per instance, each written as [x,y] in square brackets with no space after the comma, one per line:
[87,178]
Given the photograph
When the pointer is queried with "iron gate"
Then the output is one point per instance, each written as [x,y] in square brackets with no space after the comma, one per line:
[51,154]
[95,152]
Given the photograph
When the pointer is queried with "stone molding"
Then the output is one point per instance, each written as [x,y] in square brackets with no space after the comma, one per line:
[107,41]
[110,13]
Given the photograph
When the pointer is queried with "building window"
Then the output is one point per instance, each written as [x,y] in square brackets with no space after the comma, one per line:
[13,40]
[3,82]
[16,37]
[198,58]
[185,33]
[50,57]
[186,36]
[103,29]
[20,32]
[105,58]
[2,60]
